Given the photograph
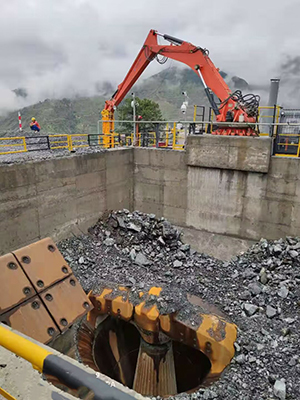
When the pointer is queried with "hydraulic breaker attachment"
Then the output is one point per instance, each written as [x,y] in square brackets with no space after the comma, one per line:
[128,337]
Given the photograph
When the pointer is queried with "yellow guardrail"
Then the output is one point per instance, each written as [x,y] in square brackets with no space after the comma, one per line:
[78,140]
[12,144]
[164,141]
[284,142]
[274,115]
[176,138]
[65,141]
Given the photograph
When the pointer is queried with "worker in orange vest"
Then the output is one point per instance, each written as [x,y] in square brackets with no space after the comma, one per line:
[34,125]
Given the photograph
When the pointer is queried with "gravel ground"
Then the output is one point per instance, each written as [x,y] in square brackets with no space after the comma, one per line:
[258,290]
[19,158]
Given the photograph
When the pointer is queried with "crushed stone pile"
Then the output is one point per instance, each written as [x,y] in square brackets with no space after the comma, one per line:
[259,291]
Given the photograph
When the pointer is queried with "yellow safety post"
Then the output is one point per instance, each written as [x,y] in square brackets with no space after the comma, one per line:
[108,126]
[174,136]
[298,151]
[24,144]
[70,144]
[195,113]
[24,348]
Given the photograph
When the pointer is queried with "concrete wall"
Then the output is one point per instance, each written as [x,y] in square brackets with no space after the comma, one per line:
[53,197]
[235,194]
[233,153]
[232,192]
[160,183]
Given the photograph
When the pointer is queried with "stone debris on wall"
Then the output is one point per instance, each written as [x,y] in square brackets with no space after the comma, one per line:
[259,290]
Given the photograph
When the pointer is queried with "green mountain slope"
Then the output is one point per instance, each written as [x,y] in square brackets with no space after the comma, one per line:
[80,115]
[58,116]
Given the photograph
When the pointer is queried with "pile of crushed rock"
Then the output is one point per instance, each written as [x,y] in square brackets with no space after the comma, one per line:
[258,290]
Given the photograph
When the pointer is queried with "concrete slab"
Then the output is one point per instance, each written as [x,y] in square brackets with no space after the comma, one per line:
[21,381]
[237,153]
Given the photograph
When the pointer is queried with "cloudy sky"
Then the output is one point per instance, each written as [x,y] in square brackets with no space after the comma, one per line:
[60,48]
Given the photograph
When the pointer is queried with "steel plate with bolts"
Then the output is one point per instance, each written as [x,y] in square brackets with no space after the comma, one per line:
[66,301]
[15,287]
[32,319]
[43,263]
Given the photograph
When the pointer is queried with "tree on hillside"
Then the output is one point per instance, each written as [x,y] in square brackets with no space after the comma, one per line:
[148,109]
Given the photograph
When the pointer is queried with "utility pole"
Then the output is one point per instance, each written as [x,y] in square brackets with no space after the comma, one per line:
[133,105]
[183,109]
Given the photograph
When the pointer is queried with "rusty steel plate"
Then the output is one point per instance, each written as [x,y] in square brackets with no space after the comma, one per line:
[43,263]
[15,286]
[66,301]
[32,319]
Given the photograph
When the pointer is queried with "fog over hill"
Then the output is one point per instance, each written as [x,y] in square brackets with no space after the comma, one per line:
[80,114]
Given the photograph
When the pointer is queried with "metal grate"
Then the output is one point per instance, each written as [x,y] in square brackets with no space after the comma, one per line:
[287,138]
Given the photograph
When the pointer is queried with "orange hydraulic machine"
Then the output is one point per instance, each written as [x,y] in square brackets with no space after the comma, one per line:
[232,107]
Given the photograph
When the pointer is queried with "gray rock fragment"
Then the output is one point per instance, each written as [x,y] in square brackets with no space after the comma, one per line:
[250,309]
[133,227]
[184,247]
[109,241]
[81,260]
[240,359]
[289,320]
[283,292]
[245,295]
[277,249]
[280,389]
[271,311]
[293,253]
[161,241]
[177,264]
[254,288]
[263,276]
[141,259]
[121,222]
[180,255]
[132,254]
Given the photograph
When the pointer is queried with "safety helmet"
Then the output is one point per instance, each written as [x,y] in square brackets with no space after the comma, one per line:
[32,119]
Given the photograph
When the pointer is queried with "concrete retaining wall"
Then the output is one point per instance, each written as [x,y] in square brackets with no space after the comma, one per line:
[160,183]
[249,197]
[237,153]
[232,192]
[52,197]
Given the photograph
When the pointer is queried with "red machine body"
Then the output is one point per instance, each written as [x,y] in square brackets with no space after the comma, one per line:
[233,107]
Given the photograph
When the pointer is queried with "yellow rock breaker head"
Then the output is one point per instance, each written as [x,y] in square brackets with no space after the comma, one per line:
[162,343]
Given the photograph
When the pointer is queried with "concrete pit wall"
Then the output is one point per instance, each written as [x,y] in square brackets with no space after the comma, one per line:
[55,197]
[220,186]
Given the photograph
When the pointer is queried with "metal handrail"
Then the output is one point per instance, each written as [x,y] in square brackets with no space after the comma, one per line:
[45,361]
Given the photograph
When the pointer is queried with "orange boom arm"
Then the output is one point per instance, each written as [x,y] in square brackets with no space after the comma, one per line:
[233,107]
